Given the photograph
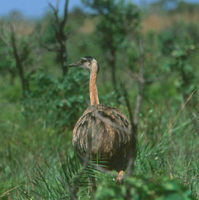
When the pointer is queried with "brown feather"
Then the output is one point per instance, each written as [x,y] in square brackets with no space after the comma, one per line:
[105,133]
[102,131]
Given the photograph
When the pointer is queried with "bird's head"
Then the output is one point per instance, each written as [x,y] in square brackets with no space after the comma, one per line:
[87,62]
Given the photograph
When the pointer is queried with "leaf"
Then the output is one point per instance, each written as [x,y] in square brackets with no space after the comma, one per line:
[177,53]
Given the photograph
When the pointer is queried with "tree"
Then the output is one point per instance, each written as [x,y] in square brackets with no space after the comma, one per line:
[18,51]
[7,65]
[180,43]
[19,60]
[58,36]
[117,19]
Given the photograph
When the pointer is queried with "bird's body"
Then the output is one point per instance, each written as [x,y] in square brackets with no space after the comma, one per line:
[108,140]
[102,131]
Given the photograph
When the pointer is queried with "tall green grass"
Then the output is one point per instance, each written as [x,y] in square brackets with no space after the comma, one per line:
[37,162]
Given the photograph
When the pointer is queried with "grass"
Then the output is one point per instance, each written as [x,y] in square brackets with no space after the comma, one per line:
[37,162]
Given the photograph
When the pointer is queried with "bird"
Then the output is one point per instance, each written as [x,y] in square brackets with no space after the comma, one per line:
[103,131]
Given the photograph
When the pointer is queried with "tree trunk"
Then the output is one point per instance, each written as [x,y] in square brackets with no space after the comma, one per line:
[113,74]
[19,66]
[12,77]
[62,51]
[63,57]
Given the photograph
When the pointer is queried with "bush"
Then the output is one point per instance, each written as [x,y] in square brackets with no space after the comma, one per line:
[57,102]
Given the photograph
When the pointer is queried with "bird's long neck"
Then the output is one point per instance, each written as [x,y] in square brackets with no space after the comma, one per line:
[93,88]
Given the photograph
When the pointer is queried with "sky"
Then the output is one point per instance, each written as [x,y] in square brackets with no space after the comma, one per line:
[36,8]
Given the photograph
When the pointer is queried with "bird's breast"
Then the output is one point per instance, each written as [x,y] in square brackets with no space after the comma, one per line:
[103,130]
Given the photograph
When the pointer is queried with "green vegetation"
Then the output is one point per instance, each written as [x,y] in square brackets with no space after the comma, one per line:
[41,100]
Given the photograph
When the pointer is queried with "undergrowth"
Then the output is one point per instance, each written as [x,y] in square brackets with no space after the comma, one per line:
[37,162]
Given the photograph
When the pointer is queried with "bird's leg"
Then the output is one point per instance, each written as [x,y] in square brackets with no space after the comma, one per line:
[93,187]
[120,177]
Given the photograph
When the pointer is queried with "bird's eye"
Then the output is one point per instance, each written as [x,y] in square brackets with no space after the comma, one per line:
[83,60]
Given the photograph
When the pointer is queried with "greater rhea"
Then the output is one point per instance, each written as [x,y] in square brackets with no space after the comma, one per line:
[102,131]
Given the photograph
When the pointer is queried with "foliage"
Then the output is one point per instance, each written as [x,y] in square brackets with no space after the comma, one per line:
[55,101]
[56,182]
[180,40]
[19,54]
[7,64]
[144,188]
[119,19]
[46,28]
[37,160]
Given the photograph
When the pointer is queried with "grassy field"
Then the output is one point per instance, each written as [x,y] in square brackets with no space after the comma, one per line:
[33,155]
[37,160]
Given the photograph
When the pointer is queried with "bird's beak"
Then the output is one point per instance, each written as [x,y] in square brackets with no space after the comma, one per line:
[78,64]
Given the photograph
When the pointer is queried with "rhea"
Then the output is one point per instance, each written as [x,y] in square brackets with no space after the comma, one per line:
[102,131]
